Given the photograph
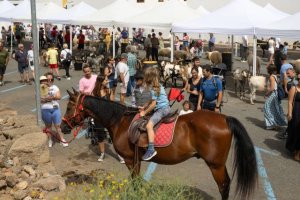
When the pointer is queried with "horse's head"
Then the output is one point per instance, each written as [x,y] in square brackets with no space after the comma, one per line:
[75,113]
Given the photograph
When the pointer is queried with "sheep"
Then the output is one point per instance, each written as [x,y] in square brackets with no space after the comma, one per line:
[215,57]
[256,83]
[178,54]
[240,78]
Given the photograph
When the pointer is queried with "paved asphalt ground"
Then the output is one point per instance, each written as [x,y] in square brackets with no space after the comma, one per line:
[278,173]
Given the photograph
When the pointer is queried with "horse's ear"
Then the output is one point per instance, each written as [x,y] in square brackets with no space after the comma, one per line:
[75,91]
[70,93]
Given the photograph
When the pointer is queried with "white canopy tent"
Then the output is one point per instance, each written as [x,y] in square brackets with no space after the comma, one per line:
[239,17]
[52,13]
[276,11]
[161,16]
[108,14]
[5,6]
[201,10]
[288,27]
[80,10]
[19,13]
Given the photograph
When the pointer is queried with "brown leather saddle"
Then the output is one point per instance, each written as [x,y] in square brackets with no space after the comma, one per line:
[137,132]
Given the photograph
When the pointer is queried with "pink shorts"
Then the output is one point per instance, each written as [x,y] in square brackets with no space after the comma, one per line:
[53,66]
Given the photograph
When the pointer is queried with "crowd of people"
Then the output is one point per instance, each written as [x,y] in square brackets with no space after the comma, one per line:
[204,89]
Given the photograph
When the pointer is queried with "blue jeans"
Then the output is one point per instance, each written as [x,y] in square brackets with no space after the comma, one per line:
[130,86]
[159,114]
[209,105]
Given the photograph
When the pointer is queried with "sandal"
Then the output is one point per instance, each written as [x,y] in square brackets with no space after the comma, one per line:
[297,155]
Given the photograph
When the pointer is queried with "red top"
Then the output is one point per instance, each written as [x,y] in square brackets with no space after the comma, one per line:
[80,38]
[67,37]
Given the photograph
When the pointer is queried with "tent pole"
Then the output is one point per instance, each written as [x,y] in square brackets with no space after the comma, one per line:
[71,38]
[36,61]
[114,42]
[172,47]
[11,36]
[254,55]
[232,48]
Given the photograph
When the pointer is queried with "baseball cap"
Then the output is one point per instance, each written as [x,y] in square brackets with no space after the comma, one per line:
[124,55]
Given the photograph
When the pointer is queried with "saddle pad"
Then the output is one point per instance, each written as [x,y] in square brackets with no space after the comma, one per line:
[163,134]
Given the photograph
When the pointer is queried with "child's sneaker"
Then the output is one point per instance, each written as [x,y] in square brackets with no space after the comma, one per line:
[101,158]
[64,143]
[50,143]
[149,154]
[122,161]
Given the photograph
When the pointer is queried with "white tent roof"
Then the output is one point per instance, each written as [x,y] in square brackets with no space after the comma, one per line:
[238,17]
[52,13]
[161,16]
[288,27]
[202,11]
[276,11]
[80,10]
[113,12]
[21,12]
[5,5]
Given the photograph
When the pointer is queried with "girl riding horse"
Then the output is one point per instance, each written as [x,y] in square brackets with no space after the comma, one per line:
[201,134]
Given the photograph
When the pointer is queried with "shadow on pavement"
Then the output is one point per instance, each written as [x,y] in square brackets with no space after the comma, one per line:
[256,122]
[278,145]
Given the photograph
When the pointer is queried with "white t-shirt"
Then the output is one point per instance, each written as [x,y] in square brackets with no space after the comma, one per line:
[183,112]
[123,68]
[63,53]
[30,57]
[245,40]
[53,89]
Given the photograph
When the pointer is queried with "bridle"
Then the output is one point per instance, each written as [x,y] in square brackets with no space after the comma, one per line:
[78,115]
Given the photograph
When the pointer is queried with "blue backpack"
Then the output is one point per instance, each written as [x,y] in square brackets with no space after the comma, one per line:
[280,91]
[124,34]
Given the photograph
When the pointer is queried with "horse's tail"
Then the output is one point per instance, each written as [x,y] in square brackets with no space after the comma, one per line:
[245,159]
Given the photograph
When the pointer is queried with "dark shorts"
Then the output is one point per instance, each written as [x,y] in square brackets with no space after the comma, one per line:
[2,70]
[80,46]
[99,132]
[23,68]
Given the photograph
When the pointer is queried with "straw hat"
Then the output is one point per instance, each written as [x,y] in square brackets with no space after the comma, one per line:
[42,78]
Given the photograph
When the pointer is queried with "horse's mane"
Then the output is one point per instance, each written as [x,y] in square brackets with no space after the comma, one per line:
[109,111]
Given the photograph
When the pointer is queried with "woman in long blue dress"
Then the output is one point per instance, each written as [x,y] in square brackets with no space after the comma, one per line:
[273,112]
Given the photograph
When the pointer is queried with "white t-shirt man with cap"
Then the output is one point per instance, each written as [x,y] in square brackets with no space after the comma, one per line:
[123,72]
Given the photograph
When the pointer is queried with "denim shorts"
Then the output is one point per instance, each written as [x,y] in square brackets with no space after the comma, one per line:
[50,116]
[159,114]
[23,68]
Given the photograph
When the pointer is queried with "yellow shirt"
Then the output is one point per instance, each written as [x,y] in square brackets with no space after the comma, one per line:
[52,56]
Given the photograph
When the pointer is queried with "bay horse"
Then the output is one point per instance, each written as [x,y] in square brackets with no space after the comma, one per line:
[195,135]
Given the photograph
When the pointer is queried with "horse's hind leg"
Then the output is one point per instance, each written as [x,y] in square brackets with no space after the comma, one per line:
[222,179]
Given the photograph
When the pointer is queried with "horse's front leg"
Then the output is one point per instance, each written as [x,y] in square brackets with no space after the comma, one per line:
[134,169]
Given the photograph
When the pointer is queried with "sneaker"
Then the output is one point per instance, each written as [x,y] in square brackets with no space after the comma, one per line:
[58,78]
[1,83]
[68,78]
[50,143]
[282,136]
[122,161]
[270,128]
[64,143]
[149,154]
[101,157]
